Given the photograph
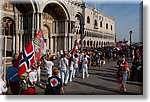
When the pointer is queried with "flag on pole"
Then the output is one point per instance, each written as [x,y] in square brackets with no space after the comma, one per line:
[76,45]
[40,45]
[25,59]
[119,47]
[76,42]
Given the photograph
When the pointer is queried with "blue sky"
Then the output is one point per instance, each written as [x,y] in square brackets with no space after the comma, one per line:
[126,14]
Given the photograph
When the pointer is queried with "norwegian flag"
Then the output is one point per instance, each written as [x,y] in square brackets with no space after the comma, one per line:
[25,59]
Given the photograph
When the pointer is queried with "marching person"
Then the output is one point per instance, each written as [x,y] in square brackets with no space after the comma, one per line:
[39,74]
[64,68]
[71,70]
[85,67]
[81,57]
[54,84]
[32,80]
[28,81]
[49,65]
[76,68]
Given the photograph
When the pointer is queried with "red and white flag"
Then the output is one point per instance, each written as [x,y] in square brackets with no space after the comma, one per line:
[25,59]
[40,45]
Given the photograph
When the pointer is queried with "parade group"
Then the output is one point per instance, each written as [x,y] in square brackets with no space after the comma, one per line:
[71,65]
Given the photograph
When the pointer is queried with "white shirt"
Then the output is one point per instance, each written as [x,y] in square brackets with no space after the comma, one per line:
[63,63]
[3,87]
[71,66]
[76,62]
[49,65]
[33,76]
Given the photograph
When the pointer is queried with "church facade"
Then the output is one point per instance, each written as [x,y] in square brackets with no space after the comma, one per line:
[61,21]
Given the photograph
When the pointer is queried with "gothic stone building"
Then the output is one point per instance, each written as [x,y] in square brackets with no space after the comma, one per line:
[60,21]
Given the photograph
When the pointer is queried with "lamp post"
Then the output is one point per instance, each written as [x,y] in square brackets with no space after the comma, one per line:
[130,41]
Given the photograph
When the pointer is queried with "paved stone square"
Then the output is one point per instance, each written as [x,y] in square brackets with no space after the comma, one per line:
[102,81]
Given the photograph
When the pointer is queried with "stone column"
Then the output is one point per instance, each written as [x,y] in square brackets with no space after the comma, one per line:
[37,21]
[21,41]
[65,43]
[52,44]
[33,24]
[56,44]
[17,41]
[65,36]
[71,42]
[57,27]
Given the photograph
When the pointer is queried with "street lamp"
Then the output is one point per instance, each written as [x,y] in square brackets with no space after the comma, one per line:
[130,41]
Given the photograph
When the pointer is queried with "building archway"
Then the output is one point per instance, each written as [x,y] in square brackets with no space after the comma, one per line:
[46,32]
[91,44]
[84,43]
[56,17]
[21,15]
[88,43]
[8,36]
[97,44]
[80,24]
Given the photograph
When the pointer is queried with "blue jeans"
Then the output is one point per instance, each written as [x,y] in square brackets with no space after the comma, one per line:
[80,66]
[96,59]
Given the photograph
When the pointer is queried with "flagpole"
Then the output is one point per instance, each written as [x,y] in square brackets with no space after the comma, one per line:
[34,47]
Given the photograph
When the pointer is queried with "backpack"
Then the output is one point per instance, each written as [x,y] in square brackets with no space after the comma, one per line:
[24,81]
[47,89]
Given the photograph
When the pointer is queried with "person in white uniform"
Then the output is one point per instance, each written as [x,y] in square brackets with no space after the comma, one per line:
[64,69]
[76,68]
[33,77]
[49,65]
[71,64]
[85,67]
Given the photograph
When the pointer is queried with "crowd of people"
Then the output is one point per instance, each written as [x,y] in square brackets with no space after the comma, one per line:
[71,65]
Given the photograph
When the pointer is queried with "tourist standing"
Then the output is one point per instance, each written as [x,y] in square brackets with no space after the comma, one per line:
[125,76]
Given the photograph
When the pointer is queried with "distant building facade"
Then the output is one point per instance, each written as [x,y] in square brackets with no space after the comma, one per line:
[60,21]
